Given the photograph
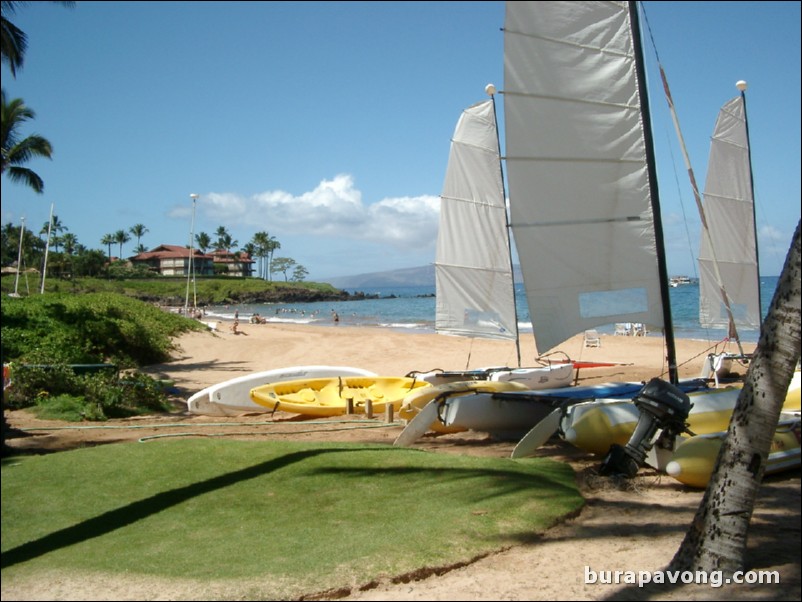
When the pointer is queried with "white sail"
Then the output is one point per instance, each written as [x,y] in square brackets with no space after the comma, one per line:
[729,214]
[473,268]
[578,176]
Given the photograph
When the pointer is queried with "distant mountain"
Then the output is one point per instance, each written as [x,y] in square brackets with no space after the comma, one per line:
[419,276]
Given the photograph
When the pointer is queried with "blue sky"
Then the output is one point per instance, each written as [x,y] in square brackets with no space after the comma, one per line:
[328,124]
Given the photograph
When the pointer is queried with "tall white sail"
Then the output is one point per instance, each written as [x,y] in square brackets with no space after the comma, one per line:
[473,269]
[729,214]
[578,175]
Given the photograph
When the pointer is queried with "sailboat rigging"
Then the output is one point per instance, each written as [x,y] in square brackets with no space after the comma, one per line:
[584,200]
[729,273]
[730,248]
[475,289]
[584,205]
[191,264]
[473,270]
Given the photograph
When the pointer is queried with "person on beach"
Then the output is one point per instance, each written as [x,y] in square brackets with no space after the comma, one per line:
[234,327]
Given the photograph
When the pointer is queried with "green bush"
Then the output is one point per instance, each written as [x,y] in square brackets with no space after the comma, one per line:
[56,392]
[44,335]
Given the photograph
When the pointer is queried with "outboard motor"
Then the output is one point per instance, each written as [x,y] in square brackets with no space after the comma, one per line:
[661,406]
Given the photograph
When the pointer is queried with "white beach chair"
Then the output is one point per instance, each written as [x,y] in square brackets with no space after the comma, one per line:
[621,329]
[592,339]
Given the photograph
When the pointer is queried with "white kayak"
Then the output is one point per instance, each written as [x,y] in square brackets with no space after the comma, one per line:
[232,397]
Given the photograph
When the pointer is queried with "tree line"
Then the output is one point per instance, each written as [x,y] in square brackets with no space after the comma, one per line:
[67,256]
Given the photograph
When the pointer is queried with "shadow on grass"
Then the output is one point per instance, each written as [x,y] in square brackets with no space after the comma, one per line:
[126,515]
[506,482]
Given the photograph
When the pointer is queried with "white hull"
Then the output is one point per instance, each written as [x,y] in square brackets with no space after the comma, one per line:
[501,416]
[232,397]
[537,378]
[511,414]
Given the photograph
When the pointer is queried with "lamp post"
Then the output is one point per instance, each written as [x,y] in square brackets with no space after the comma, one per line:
[191,266]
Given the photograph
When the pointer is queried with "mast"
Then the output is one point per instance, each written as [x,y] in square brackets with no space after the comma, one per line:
[491,91]
[741,85]
[191,264]
[47,249]
[19,256]
[722,291]
[671,350]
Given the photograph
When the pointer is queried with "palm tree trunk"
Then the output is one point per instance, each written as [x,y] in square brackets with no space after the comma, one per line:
[716,539]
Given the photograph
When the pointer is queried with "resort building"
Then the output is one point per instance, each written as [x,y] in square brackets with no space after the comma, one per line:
[174,260]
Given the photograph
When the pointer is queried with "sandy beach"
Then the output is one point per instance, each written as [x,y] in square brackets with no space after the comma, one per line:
[634,527]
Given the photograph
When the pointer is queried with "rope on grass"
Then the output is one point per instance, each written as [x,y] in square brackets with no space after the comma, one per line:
[248,433]
[171,425]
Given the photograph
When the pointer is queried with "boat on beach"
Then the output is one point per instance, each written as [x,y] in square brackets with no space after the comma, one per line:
[729,276]
[694,459]
[232,397]
[583,195]
[334,396]
[474,284]
[598,425]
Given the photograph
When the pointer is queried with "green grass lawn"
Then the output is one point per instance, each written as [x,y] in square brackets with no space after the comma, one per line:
[303,517]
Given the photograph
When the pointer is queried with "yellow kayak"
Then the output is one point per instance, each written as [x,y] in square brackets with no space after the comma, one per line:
[329,396]
[693,461]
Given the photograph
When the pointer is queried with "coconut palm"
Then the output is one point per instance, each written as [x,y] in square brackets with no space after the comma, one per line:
[121,237]
[17,150]
[54,227]
[70,243]
[14,42]
[224,240]
[203,241]
[716,539]
[108,239]
[139,230]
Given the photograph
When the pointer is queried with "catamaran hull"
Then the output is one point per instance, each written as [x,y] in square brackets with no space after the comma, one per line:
[695,458]
[535,378]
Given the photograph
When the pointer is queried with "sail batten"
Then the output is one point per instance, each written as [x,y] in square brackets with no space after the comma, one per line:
[473,268]
[578,168]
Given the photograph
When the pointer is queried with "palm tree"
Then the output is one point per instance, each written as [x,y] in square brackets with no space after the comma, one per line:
[272,245]
[54,227]
[16,150]
[224,240]
[259,244]
[14,41]
[108,239]
[121,237]
[70,242]
[716,539]
[203,241]
[139,230]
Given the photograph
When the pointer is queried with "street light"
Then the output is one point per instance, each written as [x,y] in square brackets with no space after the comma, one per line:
[191,270]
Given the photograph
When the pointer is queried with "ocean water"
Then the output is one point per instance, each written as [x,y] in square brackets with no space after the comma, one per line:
[413,309]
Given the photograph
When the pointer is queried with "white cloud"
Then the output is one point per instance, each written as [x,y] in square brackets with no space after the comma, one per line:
[333,209]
